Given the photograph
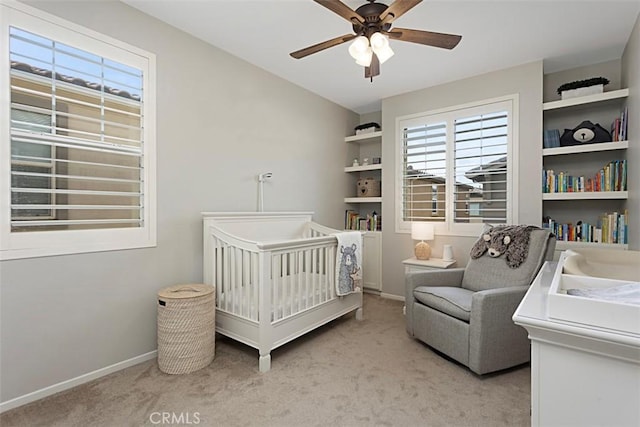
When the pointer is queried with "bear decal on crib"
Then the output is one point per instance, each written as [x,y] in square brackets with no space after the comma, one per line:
[349,278]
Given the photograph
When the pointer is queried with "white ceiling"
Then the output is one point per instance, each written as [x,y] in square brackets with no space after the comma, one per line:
[496,34]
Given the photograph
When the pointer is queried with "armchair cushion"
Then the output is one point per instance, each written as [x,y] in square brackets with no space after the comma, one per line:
[486,272]
[455,302]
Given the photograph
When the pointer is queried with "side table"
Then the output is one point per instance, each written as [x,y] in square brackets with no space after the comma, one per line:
[414,264]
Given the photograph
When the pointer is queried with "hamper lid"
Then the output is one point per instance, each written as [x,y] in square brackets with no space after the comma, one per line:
[186,291]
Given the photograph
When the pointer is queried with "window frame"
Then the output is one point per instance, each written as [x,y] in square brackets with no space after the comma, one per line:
[17,245]
[510,103]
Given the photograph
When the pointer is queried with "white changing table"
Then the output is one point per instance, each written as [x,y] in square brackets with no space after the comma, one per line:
[581,375]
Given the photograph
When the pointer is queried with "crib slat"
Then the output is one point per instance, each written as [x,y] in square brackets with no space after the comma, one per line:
[314,267]
[217,271]
[321,275]
[300,290]
[245,284]
[225,277]
[307,272]
[276,274]
[292,277]
[240,281]
[285,278]
[233,280]
[331,273]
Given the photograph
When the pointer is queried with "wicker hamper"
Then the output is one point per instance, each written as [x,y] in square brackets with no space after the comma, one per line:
[186,328]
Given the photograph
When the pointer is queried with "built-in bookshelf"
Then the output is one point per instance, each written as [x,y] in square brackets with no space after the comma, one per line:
[584,187]
[364,213]
[353,220]
[365,162]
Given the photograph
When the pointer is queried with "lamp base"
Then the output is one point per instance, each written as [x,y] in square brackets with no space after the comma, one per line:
[423,251]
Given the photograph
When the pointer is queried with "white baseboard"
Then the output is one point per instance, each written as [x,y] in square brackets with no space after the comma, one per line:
[392,296]
[73,382]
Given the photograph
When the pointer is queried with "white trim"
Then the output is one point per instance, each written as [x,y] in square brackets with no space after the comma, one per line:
[74,382]
[392,296]
[48,243]
[55,20]
[448,227]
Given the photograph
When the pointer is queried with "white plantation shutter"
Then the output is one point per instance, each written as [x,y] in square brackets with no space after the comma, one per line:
[455,167]
[480,168]
[424,172]
[78,156]
[92,142]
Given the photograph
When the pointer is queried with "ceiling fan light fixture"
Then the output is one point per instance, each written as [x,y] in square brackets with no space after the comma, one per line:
[380,45]
[360,50]
[365,57]
[374,20]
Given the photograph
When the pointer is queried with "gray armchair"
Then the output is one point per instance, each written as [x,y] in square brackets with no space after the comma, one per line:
[466,313]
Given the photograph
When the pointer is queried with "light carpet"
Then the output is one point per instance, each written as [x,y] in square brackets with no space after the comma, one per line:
[346,373]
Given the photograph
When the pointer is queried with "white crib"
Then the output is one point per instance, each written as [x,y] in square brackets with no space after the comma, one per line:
[274,274]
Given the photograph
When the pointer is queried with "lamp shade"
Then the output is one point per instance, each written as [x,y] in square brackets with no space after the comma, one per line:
[365,58]
[380,45]
[422,231]
[361,51]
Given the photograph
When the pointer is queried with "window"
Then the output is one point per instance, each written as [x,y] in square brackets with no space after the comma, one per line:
[78,154]
[455,167]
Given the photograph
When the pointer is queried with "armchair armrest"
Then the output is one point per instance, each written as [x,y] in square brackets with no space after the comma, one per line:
[491,321]
[494,300]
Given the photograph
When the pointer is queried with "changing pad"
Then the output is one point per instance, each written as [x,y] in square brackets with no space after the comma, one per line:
[628,293]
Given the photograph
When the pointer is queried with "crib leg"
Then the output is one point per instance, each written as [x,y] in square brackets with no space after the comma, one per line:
[265,363]
[359,314]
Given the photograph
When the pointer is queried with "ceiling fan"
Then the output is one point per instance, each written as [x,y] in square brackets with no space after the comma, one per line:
[372,30]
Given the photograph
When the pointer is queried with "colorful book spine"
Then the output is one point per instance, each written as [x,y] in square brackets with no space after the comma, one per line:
[612,177]
[610,227]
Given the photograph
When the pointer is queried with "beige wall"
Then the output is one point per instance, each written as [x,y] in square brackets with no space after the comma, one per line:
[220,122]
[524,80]
[631,79]
[609,70]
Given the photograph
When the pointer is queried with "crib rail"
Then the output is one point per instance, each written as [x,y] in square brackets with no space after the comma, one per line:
[302,279]
[236,274]
[296,275]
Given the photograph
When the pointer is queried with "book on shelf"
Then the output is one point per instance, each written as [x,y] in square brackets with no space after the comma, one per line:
[551,138]
[611,177]
[610,227]
[354,221]
[620,126]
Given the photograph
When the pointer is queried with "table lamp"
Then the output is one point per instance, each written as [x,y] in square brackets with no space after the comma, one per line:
[422,231]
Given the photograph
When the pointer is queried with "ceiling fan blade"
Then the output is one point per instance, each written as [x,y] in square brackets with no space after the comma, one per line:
[397,9]
[321,46]
[341,9]
[445,41]
[373,69]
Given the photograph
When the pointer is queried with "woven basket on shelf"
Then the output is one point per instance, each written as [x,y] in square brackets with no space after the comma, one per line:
[186,328]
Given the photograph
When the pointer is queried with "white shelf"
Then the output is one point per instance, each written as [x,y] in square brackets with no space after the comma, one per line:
[564,245]
[366,231]
[587,195]
[363,168]
[363,199]
[364,138]
[586,148]
[588,99]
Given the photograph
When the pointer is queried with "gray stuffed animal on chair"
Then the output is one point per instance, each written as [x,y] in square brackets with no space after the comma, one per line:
[511,240]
